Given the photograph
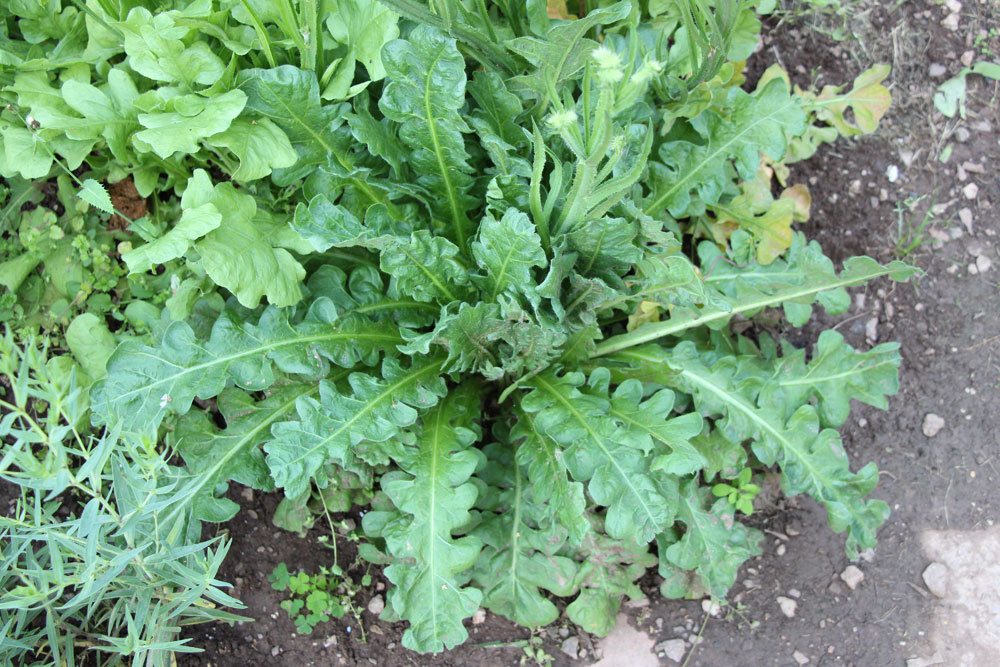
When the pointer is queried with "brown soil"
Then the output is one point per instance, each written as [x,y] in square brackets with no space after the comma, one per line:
[128,201]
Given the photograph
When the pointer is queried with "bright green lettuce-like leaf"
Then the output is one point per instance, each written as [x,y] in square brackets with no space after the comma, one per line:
[260,146]
[520,543]
[597,450]
[185,121]
[240,254]
[194,223]
[424,92]
[24,153]
[145,383]
[91,343]
[432,495]
[364,26]
[156,49]
[360,423]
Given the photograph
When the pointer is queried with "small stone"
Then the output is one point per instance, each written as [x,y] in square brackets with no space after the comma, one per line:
[871,330]
[963,136]
[968,57]
[376,605]
[971,191]
[852,576]
[965,216]
[711,608]
[932,425]
[780,550]
[571,646]
[479,617]
[937,70]
[794,593]
[673,649]
[252,514]
[936,579]
[936,659]
[984,263]
[247,494]
[275,651]
[330,641]
[892,173]
[564,632]
[788,606]
[379,586]
[800,658]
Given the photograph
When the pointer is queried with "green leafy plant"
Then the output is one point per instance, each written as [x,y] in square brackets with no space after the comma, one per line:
[949,98]
[740,492]
[476,272]
[313,598]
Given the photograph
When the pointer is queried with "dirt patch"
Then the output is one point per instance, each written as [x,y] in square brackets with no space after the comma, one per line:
[949,326]
[128,201]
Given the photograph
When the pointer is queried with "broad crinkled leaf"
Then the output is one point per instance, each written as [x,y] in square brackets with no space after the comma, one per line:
[812,461]
[289,97]
[520,544]
[545,470]
[426,268]
[145,383]
[424,92]
[327,225]
[214,456]
[753,124]
[669,437]
[432,495]
[713,547]
[609,568]
[340,424]
[507,250]
[836,374]
[600,452]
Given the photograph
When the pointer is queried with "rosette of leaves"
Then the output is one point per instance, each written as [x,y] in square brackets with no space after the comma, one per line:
[514,325]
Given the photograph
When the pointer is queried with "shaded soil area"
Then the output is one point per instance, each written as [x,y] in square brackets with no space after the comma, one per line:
[887,196]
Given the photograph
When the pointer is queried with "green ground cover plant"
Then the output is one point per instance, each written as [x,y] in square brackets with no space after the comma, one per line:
[489,272]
